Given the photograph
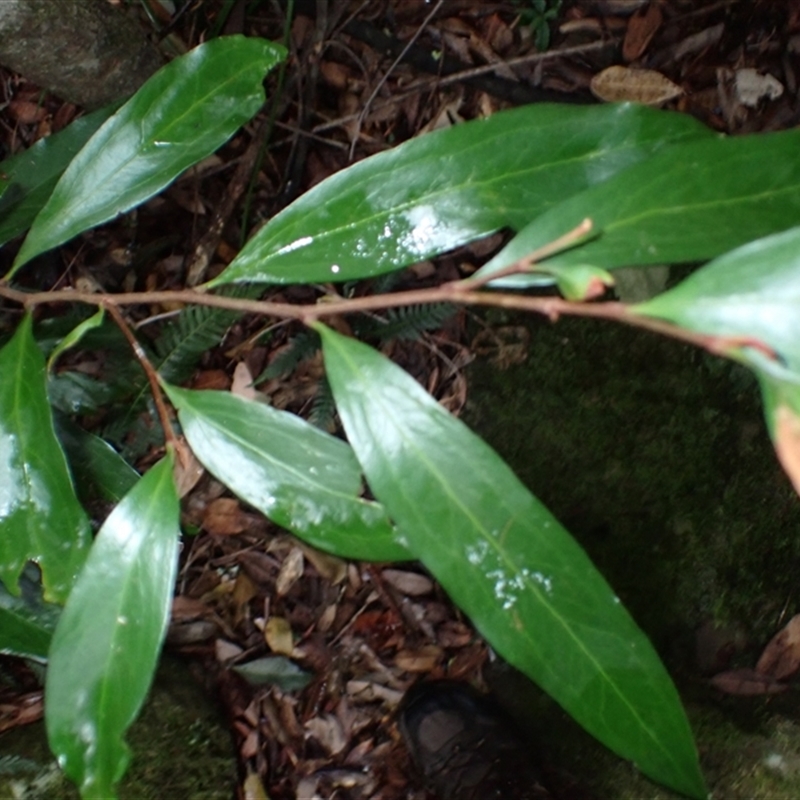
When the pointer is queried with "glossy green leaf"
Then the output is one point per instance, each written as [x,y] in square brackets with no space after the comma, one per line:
[447,188]
[40,517]
[100,472]
[297,475]
[32,174]
[106,645]
[26,622]
[505,560]
[689,202]
[751,292]
[75,335]
[185,111]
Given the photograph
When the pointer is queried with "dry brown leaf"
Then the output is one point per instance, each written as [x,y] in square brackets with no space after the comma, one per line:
[225,651]
[211,379]
[409,583]
[641,29]
[747,682]
[243,382]
[224,517]
[617,84]
[291,569]
[781,657]
[425,659]
[188,471]
[330,567]
[25,112]
[328,731]
[787,443]
[185,608]
[278,635]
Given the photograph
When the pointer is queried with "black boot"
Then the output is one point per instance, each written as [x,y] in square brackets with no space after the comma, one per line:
[465,747]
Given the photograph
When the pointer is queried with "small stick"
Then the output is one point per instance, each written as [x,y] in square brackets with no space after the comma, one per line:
[527,263]
[152,377]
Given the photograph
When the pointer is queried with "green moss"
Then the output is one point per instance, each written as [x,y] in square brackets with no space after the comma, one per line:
[181,749]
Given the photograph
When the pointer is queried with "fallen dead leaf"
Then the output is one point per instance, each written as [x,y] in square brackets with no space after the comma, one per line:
[26,112]
[787,443]
[330,567]
[278,635]
[642,27]
[328,731]
[291,569]
[617,84]
[409,583]
[224,517]
[423,660]
[752,88]
[747,683]
[781,657]
[211,379]
[242,385]
[188,471]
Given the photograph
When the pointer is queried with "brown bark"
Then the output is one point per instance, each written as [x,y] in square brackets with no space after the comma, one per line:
[84,51]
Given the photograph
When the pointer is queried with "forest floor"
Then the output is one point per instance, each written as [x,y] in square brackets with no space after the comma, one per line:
[363,77]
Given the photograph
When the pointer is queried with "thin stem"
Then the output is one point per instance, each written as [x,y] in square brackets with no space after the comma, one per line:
[528,262]
[152,376]
[551,307]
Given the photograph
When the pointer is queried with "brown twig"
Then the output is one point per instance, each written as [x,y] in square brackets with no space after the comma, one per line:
[364,111]
[528,262]
[152,375]
[551,307]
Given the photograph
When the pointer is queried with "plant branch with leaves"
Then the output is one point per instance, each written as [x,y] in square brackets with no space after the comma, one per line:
[657,188]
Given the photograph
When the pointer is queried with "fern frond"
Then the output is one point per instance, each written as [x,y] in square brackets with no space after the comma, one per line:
[299,348]
[323,407]
[194,331]
[408,322]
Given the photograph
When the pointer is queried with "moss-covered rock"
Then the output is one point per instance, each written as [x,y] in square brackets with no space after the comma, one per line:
[181,749]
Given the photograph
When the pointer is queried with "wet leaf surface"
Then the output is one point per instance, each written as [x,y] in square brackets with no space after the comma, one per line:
[752,292]
[108,639]
[174,126]
[295,474]
[500,172]
[690,202]
[525,583]
[40,517]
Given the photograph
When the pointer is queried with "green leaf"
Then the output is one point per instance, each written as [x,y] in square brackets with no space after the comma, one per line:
[26,622]
[300,477]
[506,561]
[185,111]
[276,670]
[75,335]
[752,292]
[40,517]
[32,174]
[106,645]
[690,202]
[100,472]
[447,188]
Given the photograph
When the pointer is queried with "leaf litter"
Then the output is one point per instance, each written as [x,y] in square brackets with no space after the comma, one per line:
[359,634]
